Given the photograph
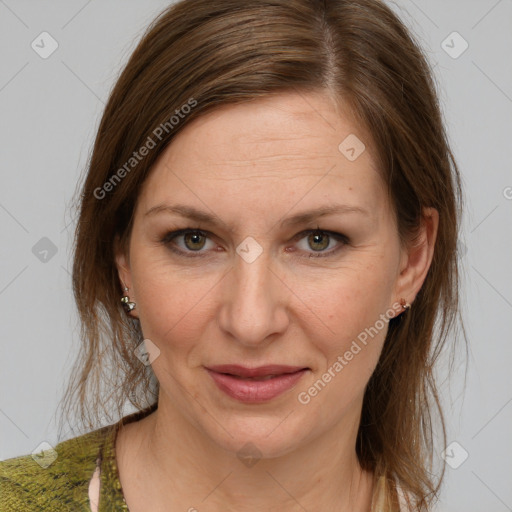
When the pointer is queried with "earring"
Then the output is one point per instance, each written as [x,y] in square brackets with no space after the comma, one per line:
[405,305]
[127,304]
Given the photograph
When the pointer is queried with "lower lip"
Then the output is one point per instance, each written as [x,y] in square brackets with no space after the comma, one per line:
[255,391]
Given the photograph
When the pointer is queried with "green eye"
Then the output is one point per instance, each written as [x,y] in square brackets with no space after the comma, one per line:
[318,241]
[194,240]
[187,242]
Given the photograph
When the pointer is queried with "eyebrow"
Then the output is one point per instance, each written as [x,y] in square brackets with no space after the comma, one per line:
[192,213]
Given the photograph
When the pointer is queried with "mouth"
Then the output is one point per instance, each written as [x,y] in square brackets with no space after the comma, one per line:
[266,377]
[255,385]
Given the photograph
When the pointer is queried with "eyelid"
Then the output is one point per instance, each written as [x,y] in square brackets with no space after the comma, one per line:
[171,235]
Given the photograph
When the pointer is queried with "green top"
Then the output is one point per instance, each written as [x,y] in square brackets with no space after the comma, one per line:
[28,483]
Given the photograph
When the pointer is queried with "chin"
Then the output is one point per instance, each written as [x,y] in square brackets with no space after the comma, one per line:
[263,437]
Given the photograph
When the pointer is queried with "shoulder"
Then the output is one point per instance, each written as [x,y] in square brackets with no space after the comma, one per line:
[55,479]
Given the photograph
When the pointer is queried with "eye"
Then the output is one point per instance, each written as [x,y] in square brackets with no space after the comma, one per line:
[319,240]
[192,241]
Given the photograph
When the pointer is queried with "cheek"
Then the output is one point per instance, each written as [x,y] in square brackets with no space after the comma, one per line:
[355,306]
[171,302]
[348,357]
[353,299]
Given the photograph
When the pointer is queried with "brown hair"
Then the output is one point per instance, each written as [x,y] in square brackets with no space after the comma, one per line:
[206,54]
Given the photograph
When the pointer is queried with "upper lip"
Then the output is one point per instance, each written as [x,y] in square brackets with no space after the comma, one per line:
[260,371]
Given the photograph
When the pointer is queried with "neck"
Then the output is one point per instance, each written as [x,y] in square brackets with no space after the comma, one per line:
[185,468]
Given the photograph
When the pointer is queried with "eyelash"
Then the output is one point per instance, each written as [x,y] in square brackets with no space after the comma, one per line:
[170,236]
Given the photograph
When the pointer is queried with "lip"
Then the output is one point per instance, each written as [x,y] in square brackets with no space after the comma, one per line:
[237,381]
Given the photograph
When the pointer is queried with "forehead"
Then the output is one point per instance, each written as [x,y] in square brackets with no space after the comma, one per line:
[265,150]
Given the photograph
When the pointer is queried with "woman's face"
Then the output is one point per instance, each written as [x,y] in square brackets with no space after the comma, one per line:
[257,286]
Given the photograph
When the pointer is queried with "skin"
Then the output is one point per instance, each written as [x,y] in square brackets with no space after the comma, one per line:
[252,166]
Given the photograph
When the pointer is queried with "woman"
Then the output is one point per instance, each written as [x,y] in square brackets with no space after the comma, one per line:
[267,236]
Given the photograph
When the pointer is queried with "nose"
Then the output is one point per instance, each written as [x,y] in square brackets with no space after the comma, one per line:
[254,302]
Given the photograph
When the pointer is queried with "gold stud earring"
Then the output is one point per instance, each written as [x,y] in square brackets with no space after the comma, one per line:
[405,305]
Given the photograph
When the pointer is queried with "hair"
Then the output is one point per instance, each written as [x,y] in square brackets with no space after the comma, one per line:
[208,54]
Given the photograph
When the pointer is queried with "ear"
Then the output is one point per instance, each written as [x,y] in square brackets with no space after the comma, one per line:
[122,260]
[417,257]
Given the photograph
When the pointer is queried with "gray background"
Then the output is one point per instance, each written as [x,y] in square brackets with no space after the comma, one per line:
[50,109]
